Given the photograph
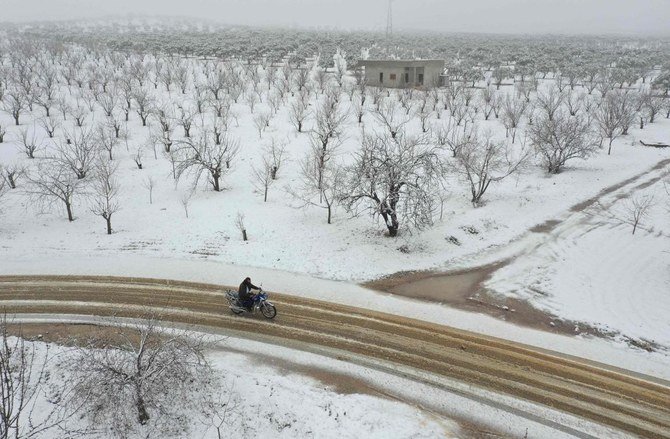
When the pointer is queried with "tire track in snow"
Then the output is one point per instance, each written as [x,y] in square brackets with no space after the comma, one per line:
[607,397]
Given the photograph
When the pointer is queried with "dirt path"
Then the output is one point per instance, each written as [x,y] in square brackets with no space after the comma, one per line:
[464,289]
[600,394]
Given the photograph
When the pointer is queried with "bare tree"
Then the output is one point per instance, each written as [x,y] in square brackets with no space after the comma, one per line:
[319,187]
[298,113]
[15,102]
[144,104]
[626,107]
[78,152]
[461,112]
[106,139]
[54,183]
[138,156]
[393,177]
[50,125]
[251,100]
[387,115]
[574,102]
[485,161]
[608,119]
[652,105]
[239,223]
[79,113]
[186,119]
[224,408]
[202,155]
[108,102]
[221,106]
[326,136]
[3,131]
[185,200]
[358,108]
[301,78]
[561,139]
[263,177]
[4,186]
[30,143]
[261,122]
[513,111]
[454,138]
[150,184]
[489,100]
[142,380]
[219,128]
[550,102]
[424,113]
[11,174]
[105,192]
[275,152]
[636,210]
[33,402]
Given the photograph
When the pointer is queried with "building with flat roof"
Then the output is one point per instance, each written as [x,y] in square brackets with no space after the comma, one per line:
[398,73]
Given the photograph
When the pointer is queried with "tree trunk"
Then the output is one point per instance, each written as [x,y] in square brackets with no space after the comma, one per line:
[16,119]
[244,234]
[68,206]
[215,182]
[609,150]
[109,224]
[142,414]
[393,225]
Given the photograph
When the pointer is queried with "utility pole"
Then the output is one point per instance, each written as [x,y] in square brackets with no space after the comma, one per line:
[389,25]
[389,20]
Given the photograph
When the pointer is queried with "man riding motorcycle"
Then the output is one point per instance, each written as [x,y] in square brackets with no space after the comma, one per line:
[244,293]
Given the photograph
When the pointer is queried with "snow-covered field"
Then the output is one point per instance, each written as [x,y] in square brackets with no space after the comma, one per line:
[262,400]
[594,272]
[282,236]
[592,268]
[273,391]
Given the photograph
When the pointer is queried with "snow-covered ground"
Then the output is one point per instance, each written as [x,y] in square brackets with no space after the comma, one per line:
[282,236]
[593,269]
[273,391]
[596,349]
[600,280]
[266,401]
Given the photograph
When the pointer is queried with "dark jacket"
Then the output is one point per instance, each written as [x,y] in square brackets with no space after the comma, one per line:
[245,290]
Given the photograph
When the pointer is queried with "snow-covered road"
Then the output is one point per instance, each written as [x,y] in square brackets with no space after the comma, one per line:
[398,345]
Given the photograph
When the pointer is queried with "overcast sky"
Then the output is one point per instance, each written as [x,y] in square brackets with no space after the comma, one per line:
[506,16]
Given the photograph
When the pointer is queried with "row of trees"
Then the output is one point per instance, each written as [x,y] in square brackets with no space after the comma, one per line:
[541,53]
[410,144]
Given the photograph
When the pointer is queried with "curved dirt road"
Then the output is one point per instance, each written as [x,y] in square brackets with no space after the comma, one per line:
[607,397]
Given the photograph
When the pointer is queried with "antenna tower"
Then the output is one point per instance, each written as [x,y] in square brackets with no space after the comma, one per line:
[389,21]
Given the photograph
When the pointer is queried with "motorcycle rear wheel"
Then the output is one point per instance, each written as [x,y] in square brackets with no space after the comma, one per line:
[268,310]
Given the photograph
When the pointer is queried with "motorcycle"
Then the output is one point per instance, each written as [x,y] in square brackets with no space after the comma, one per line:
[261,303]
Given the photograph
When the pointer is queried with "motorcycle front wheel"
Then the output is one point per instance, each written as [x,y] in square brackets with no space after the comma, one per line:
[268,310]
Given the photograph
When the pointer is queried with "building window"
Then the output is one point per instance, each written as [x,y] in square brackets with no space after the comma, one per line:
[381,77]
[420,79]
[406,77]
[392,76]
